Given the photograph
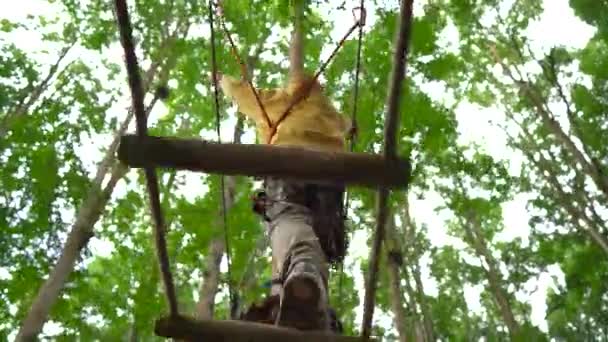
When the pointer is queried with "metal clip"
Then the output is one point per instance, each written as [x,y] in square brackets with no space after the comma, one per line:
[361,18]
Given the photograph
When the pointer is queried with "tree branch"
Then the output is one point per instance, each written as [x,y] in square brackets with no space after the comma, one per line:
[549,121]
[24,105]
[296,48]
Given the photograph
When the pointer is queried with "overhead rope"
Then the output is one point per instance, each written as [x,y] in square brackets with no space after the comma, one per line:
[137,97]
[354,129]
[231,293]
[244,71]
[355,125]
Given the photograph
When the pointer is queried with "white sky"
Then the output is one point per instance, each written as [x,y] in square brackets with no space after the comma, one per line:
[558,26]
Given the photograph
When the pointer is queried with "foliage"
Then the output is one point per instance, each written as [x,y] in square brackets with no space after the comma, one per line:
[61,103]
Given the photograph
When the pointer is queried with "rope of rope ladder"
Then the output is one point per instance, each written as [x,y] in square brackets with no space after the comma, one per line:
[231,293]
[137,97]
[244,73]
[353,135]
[399,62]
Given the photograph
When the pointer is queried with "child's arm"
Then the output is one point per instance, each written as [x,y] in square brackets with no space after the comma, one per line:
[240,92]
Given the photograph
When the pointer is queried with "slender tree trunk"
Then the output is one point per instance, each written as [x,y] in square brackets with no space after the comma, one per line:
[540,104]
[211,271]
[426,314]
[399,317]
[296,47]
[132,336]
[211,275]
[474,234]
[249,279]
[593,172]
[152,277]
[28,100]
[581,220]
[80,234]
[413,255]
[577,213]
[395,259]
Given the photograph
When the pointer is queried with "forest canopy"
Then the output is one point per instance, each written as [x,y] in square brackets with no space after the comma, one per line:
[502,233]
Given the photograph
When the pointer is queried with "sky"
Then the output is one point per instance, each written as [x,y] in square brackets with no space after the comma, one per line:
[557,26]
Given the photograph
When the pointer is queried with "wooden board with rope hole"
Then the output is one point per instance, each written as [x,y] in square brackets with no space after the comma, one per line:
[346,168]
[188,329]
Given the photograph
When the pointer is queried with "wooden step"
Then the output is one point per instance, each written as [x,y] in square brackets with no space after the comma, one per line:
[344,168]
[180,327]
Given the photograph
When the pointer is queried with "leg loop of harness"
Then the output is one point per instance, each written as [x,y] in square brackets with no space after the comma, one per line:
[324,203]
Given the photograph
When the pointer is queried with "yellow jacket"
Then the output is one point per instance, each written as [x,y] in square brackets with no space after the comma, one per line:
[312,123]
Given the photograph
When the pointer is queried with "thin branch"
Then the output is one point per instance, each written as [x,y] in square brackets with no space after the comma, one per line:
[549,121]
[565,199]
[24,105]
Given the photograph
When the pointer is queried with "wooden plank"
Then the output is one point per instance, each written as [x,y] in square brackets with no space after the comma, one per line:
[263,160]
[181,327]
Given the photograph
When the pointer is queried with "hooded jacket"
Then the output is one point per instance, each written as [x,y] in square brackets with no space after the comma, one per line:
[312,123]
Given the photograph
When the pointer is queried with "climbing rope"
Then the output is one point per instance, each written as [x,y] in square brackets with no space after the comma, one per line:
[244,71]
[354,128]
[137,97]
[231,293]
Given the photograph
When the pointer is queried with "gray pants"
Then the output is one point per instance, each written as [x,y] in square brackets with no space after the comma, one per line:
[292,237]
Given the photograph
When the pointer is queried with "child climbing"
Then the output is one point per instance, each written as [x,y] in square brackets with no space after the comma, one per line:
[305,221]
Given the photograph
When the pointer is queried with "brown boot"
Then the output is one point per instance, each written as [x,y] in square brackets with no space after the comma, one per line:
[304,299]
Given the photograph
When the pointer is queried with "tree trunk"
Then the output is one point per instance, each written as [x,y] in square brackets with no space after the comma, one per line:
[80,234]
[395,259]
[249,278]
[413,253]
[28,100]
[577,213]
[567,202]
[296,47]
[132,336]
[427,321]
[211,275]
[211,271]
[217,246]
[593,172]
[540,104]
[474,234]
